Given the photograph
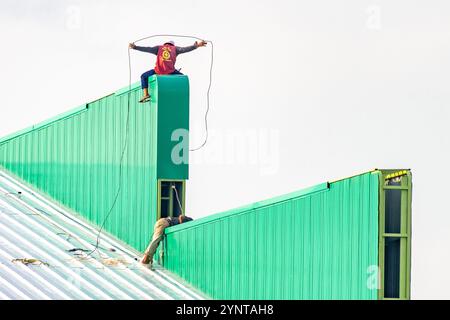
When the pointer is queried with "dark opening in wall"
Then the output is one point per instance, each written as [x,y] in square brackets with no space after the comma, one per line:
[171,198]
[393,209]
[393,237]
[392,268]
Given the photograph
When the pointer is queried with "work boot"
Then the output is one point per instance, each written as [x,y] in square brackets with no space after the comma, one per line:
[144,99]
[145,259]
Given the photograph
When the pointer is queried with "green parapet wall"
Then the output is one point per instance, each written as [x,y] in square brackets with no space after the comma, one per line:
[75,158]
[318,243]
[172,104]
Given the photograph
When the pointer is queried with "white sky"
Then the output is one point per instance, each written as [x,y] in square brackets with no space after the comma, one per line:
[326,88]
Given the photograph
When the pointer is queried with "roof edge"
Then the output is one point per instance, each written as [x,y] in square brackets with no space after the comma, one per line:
[126,89]
[256,205]
[44,123]
[355,175]
[71,112]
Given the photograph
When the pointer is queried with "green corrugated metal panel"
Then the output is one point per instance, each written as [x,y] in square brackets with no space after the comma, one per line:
[173,114]
[320,244]
[75,158]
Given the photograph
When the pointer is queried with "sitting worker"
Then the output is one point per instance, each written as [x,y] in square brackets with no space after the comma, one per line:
[166,56]
[158,234]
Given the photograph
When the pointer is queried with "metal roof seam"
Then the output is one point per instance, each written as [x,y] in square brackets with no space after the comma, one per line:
[189,291]
[35,275]
[14,289]
[55,275]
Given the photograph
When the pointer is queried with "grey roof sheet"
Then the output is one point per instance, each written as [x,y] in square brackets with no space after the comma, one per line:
[33,227]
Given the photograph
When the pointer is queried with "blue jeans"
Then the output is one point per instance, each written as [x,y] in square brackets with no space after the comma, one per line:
[148,74]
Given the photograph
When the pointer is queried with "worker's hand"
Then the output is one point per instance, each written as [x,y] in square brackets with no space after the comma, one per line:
[200,43]
[131,46]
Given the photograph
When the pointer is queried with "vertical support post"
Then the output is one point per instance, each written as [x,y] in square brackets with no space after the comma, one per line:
[395,234]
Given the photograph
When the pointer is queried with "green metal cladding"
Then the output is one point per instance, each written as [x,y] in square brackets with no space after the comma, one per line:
[319,243]
[75,157]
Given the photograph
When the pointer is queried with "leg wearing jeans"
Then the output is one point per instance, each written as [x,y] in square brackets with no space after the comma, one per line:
[144,78]
[158,234]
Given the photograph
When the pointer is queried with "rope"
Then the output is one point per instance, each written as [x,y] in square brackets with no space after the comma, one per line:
[178,199]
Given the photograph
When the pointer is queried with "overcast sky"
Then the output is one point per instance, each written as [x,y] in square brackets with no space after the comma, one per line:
[315,91]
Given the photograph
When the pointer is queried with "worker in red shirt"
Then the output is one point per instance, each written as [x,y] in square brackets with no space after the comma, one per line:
[166,56]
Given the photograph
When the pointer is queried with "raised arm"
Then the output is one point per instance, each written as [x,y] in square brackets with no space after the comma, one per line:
[153,50]
[197,44]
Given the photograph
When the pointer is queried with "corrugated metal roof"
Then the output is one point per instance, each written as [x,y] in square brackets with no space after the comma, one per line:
[32,227]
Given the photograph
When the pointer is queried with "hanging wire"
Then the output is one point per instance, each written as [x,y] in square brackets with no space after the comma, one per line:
[178,199]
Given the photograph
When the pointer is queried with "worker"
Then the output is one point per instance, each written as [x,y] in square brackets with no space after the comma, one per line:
[166,56]
[158,234]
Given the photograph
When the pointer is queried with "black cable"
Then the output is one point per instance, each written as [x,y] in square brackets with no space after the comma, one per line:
[207,100]
[97,243]
[178,199]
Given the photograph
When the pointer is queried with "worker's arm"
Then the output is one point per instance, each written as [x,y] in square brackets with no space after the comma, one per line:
[197,44]
[153,50]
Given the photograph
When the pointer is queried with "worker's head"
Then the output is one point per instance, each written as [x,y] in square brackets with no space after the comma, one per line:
[183,219]
[170,42]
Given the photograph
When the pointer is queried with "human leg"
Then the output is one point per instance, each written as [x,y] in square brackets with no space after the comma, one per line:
[158,234]
[144,84]
[144,78]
